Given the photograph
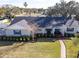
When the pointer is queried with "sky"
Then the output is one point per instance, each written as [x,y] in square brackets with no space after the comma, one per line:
[32,3]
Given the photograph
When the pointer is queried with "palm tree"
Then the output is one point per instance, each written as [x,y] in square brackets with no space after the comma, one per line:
[25,4]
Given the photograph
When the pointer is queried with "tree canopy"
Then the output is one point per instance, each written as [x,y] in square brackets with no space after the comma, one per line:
[64,9]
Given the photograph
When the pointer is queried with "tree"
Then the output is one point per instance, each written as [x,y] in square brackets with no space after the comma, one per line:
[1,11]
[16,10]
[64,9]
[76,39]
[25,4]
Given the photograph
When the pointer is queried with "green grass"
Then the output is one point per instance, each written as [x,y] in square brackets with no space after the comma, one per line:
[37,50]
[6,21]
[71,49]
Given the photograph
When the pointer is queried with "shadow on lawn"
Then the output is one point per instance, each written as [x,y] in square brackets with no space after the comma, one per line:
[51,39]
[6,43]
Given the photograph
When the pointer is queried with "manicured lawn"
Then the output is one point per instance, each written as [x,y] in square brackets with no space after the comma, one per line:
[71,49]
[6,21]
[37,50]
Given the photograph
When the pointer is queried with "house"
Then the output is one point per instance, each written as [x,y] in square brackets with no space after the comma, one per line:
[39,27]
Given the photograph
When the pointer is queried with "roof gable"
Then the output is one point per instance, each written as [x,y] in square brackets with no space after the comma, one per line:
[72,23]
[20,25]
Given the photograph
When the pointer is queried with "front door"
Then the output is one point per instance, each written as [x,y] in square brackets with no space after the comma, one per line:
[57,33]
[49,33]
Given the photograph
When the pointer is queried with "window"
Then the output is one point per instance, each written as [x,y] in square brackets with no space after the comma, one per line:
[70,29]
[17,32]
[57,30]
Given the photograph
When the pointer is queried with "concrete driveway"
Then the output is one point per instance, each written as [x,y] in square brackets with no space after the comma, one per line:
[63,49]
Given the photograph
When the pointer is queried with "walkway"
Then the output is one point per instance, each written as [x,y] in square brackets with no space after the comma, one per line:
[63,49]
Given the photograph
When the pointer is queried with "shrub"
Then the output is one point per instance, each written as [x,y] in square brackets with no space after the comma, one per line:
[76,39]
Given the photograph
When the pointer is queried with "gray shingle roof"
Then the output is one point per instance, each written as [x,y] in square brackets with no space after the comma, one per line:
[21,22]
[20,25]
[41,21]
